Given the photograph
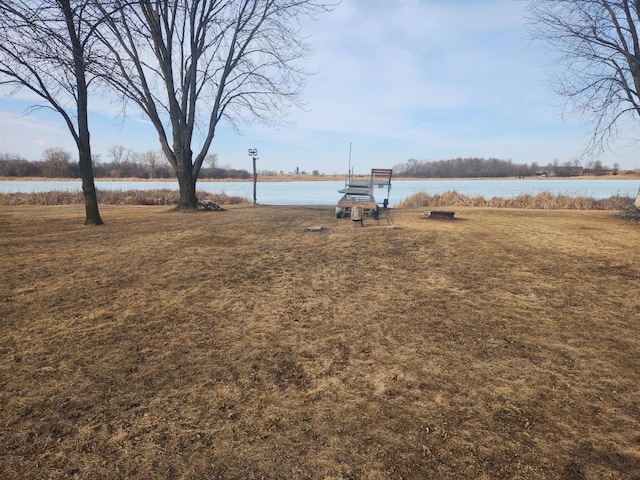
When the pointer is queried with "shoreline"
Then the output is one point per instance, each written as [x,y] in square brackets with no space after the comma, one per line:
[321,178]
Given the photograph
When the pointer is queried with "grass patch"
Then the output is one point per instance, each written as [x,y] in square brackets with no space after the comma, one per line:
[236,344]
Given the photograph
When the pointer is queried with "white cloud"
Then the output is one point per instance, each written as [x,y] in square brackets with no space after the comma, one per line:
[28,136]
[381,67]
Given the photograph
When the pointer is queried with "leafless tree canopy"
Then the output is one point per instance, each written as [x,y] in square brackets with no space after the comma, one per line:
[599,70]
[41,43]
[188,64]
[47,47]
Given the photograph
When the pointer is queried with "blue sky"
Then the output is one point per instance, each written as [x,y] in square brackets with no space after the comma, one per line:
[394,80]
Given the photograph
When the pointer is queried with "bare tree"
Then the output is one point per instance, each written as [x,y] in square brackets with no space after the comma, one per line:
[211,160]
[57,159]
[117,155]
[46,47]
[152,158]
[189,64]
[598,72]
[123,159]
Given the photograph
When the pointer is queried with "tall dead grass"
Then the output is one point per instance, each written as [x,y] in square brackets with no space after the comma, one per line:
[114,197]
[451,198]
[543,200]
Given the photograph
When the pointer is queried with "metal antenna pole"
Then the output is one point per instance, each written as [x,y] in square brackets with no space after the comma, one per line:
[350,172]
[253,152]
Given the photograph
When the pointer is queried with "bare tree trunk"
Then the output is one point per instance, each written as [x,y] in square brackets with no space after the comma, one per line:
[181,159]
[92,214]
[187,184]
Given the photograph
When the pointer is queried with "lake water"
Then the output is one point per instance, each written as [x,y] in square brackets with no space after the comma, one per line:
[326,193]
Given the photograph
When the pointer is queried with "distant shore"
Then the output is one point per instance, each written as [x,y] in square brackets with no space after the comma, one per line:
[327,178]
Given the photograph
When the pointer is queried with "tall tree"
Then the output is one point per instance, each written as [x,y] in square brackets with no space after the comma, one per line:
[188,64]
[598,72]
[46,47]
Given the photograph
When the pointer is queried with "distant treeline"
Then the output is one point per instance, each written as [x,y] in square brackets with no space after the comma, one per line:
[57,163]
[61,166]
[493,167]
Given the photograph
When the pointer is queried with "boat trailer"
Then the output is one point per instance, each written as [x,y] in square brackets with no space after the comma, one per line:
[360,192]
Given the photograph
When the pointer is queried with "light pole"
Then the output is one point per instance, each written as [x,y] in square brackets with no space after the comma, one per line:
[253,152]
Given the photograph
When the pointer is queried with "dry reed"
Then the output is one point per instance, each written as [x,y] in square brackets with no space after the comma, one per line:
[451,198]
[543,200]
[114,197]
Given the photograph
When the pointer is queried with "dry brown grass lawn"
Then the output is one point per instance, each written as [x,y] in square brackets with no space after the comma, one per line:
[230,345]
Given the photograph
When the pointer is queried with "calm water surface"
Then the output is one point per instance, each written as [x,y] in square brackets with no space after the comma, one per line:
[326,193]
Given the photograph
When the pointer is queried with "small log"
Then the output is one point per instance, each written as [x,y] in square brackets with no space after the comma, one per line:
[437,215]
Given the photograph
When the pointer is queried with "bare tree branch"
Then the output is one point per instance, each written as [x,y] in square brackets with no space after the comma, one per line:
[49,48]
[598,73]
[189,64]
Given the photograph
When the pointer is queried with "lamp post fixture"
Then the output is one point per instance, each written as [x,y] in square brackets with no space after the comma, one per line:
[253,152]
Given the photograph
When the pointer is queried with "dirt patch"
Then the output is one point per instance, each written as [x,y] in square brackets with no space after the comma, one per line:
[237,344]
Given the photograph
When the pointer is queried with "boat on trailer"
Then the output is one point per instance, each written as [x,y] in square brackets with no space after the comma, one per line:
[361,192]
